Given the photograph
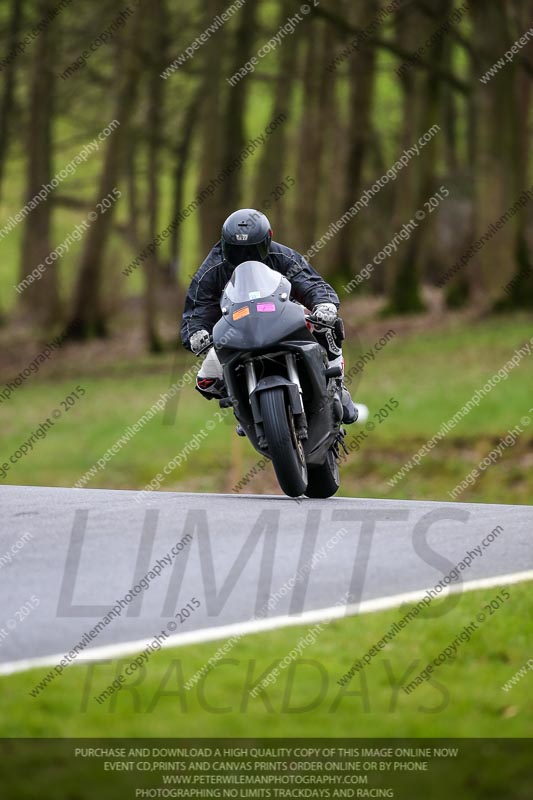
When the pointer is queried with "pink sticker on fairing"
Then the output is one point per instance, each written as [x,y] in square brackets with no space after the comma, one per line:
[266,307]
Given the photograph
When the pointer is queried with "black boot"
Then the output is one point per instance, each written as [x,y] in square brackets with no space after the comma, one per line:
[349,410]
[211,388]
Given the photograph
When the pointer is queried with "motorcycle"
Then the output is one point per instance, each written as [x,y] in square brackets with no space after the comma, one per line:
[283,392]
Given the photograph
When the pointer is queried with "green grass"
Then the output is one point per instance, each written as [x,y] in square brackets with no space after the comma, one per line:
[435,373]
[433,376]
[464,697]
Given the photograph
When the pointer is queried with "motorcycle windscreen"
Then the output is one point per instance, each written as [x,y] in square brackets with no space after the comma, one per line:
[251,281]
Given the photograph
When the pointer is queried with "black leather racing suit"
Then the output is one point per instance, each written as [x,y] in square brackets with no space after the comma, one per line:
[202,304]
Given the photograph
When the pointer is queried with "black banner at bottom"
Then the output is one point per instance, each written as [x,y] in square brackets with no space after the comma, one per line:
[80,769]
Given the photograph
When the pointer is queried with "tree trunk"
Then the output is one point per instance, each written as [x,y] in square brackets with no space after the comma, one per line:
[451,142]
[88,317]
[235,107]
[154,125]
[41,297]
[271,171]
[7,102]
[133,223]
[362,73]
[519,292]
[182,154]
[327,191]
[210,212]
[317,82]
[495,166]
[422,95]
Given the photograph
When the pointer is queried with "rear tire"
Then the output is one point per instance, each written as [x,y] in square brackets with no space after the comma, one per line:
[284,447]
[323,480]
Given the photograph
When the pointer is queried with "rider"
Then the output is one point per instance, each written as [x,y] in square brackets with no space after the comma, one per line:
[247,236]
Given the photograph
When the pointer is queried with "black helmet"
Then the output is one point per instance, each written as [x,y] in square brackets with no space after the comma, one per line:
[246,236]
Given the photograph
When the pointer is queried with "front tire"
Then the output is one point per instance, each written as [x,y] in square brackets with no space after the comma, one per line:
[285,449]
[324,479]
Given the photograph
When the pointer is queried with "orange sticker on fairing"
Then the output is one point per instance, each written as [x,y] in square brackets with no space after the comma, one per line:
[242,312]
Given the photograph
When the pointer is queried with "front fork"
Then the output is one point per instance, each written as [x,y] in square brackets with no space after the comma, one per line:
[300,421]
[251,380]
[292,371]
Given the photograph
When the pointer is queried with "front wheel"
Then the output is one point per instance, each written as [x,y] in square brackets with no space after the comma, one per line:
[324,480]
[285,448]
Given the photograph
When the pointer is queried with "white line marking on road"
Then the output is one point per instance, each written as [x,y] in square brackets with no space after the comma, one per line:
[257,626]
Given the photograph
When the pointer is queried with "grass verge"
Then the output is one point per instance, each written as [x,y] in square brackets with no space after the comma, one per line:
[462,698]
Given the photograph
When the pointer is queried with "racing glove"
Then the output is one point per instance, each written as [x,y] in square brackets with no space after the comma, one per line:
[325,312]
[199,340]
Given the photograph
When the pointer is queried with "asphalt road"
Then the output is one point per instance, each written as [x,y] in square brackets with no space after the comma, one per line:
[68,555]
